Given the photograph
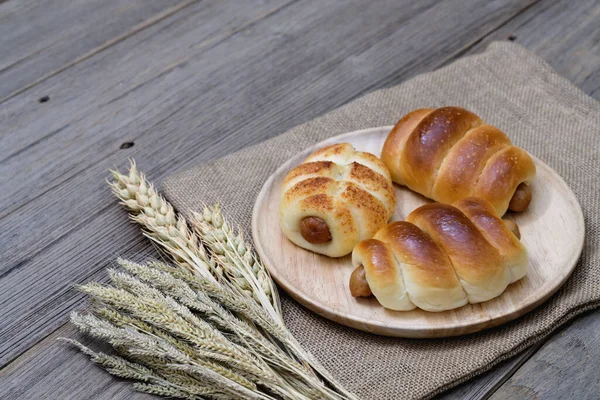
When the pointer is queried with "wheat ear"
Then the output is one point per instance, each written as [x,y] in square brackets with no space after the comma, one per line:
[161,225]
[237,258]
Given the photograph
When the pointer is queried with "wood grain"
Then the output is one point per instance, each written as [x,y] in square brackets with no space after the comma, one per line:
[484,385]
[245,76]
[321,283]
[566,367]
[31,52]
[565,33]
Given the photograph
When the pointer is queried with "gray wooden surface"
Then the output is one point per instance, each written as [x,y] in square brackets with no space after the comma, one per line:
[189,81]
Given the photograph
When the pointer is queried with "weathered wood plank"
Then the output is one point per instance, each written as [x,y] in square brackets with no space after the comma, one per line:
[191,32]
[39,38]
[482,386]
[565,33]
[120,86]
[128,101]
[45,291]
[566,367]
[256,83]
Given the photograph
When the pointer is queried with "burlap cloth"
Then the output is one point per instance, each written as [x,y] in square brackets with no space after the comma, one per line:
[508,87]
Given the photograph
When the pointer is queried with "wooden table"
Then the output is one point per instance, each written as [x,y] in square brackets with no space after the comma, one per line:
[85,84]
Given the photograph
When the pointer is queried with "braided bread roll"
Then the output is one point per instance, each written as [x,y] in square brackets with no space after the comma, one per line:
[442,257]
[449,153]
[335,198]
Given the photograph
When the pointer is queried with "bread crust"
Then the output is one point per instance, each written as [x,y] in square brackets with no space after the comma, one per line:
[349,193]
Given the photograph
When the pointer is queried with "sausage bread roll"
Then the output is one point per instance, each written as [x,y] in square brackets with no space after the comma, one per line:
[449,153]
[335,198]
[442,257]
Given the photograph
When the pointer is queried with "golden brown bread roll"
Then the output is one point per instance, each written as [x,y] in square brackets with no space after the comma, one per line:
[335,198]
[442,257]
[449,153]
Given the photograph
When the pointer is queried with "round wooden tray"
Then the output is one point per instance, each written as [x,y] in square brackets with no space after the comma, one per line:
[552,229]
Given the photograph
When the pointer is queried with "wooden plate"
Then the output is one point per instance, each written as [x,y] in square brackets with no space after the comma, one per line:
[552,229]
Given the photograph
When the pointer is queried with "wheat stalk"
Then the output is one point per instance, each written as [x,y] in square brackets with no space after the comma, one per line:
[259,316]
[167,315]
[164,382]
[171,233]
[161,225]
[200,302]
[142,345]
[236,257]
[121,320]
[134,318]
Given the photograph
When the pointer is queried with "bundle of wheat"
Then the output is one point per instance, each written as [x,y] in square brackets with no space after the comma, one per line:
[208,326]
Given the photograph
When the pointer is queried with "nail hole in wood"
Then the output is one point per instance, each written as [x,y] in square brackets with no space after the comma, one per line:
[44,99]
[126,145]
[512,38]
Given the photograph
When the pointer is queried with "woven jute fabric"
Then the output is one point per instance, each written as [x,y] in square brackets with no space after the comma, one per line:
[508,87]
